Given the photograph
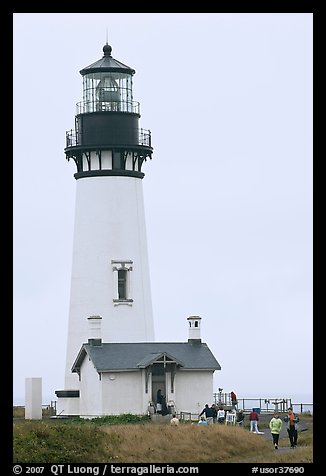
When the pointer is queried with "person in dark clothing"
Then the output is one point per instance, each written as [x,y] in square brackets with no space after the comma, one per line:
[213,407]
[291,419]
[159,397]
[209,414]
[240,418]
[165,410]
[159,401]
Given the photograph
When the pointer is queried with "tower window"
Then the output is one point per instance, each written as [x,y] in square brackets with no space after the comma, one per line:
[117,161]
[122,283]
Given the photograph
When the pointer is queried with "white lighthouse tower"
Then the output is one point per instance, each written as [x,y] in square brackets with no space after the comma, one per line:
[110,270]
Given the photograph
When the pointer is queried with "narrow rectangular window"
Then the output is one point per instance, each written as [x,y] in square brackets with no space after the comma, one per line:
[117,160]
[122,283]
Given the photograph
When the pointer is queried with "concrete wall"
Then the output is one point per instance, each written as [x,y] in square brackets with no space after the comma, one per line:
[33,398]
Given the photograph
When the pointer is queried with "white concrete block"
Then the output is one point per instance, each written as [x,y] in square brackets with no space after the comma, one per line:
[33,398]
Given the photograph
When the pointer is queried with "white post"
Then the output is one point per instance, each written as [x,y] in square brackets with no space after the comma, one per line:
[33,398]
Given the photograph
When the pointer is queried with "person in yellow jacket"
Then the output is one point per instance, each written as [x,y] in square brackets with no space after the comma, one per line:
[275,426]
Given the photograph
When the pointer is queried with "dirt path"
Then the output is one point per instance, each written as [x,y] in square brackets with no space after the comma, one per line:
[283,441]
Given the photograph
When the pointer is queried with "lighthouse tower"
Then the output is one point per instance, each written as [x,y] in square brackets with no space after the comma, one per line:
[110,270]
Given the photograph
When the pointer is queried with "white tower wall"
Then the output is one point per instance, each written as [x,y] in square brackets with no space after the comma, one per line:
[109,232]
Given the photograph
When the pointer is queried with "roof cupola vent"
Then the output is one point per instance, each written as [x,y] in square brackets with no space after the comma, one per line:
[194,329]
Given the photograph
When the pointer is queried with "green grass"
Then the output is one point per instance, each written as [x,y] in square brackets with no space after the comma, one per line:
[44,442]
[130,439]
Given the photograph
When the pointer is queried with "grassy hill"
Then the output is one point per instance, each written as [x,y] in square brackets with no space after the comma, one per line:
[127,439]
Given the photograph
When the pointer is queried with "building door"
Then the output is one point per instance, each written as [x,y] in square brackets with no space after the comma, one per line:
[158,383]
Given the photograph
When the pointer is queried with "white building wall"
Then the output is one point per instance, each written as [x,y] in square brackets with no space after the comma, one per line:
[117,393]
[90,390]
[109,225]
[192,390]
[124,392]
[68,406]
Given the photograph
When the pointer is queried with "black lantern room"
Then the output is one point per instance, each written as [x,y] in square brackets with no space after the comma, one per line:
[107,139]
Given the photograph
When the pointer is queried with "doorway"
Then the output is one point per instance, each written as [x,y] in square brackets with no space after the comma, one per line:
[159,383]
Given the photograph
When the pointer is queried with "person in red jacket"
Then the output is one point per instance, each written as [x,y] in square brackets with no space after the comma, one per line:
[253,418]
[234,400]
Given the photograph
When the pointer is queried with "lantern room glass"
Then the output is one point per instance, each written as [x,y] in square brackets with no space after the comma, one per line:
[107,91]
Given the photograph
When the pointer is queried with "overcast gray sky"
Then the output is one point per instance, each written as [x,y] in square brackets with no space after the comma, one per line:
[228,193]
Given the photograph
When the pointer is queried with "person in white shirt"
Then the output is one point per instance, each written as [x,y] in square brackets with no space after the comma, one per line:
[174,420]
[220,415]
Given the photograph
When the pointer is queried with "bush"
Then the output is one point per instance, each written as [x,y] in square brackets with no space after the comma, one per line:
[111,419]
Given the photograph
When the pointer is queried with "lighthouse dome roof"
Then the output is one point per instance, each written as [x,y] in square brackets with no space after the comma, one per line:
[107,64]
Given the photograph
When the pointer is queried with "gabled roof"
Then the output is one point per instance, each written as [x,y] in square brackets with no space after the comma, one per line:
[160,356]
[110,357]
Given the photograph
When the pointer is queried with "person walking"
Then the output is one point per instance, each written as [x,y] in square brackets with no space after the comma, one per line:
[234,401]
[213,407]
[253,418]
[275,426]
[292,429]
[209,414]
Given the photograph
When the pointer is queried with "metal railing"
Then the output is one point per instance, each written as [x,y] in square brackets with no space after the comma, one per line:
[303,407]
[50,409]
[73,139]
[187,416]
[145,137]
[265,405]
[84,107]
